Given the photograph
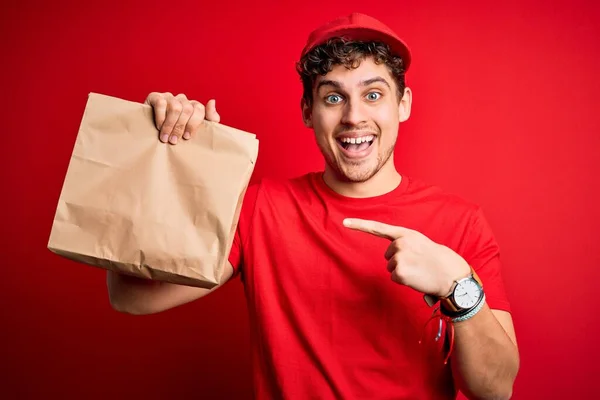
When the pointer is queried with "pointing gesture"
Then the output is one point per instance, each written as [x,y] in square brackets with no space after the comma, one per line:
[378,228]
[415,260]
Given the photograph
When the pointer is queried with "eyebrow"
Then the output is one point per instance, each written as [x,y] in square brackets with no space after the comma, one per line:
[366,82]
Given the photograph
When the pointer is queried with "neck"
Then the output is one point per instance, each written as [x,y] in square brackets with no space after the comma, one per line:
[384,181]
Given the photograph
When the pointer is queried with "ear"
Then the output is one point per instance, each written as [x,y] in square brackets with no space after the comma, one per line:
[306,113]
[405,105]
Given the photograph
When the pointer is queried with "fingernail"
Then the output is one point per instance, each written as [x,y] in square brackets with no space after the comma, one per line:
[187,135]
[346,222]
[173,139]
[164,138]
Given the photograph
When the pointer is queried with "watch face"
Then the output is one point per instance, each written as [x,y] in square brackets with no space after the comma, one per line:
[467,293]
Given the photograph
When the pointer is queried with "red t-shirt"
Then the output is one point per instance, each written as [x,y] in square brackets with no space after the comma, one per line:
[326,319]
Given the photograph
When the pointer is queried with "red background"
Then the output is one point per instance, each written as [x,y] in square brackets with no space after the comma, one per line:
[505,113]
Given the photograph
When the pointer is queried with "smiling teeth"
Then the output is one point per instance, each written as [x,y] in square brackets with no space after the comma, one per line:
[358,140]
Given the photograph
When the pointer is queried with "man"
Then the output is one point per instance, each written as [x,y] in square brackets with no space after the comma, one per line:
[316,253]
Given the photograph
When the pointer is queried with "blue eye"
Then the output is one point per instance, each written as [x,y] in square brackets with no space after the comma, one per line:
[373,96]
[334,98]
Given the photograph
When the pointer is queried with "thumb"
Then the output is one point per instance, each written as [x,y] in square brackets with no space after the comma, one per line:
[211,111]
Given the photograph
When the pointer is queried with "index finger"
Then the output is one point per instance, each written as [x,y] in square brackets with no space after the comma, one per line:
[159,107]
[376,228]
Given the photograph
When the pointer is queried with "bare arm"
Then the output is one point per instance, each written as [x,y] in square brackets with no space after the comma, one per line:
[139,296]
[176,118]
[485,360]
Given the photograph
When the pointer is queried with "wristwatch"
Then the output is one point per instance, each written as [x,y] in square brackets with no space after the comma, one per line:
[465,294]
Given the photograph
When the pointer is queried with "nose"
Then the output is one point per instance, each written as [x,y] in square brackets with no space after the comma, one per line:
[354,113]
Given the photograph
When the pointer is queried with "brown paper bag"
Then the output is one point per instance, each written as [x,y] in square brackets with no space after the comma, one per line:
[132,204]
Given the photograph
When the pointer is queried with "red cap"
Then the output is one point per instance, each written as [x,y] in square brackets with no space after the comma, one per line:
[358,26]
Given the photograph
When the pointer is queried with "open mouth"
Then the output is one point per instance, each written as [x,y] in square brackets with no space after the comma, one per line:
[356,145]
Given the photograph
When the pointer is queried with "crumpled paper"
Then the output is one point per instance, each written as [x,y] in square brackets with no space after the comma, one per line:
[135,205]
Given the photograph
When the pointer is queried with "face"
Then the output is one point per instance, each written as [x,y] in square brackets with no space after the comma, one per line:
[355,116]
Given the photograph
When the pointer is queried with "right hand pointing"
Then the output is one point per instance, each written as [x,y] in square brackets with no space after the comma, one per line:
[177,117]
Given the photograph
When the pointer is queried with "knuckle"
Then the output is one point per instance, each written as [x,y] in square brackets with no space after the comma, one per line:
[177,130]
[199,107]
[399,276]
[153,98]
[166,129]
[160,102]
[176,106]
[167,126]
[187,108]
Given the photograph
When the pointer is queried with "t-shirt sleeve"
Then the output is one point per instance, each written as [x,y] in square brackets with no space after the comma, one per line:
[483,254]
[236,254]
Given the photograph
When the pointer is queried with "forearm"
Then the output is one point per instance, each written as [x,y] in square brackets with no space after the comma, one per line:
[129,294]
[485,360]
[133,295]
